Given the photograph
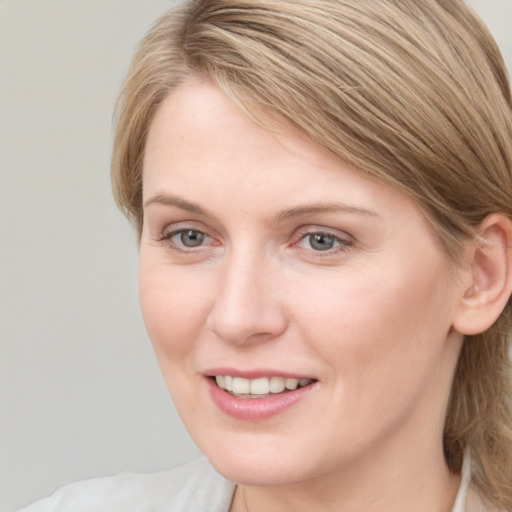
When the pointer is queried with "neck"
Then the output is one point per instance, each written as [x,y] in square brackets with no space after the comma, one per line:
[415,481]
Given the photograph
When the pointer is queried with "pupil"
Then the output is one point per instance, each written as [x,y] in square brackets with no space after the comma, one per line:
[321,242]
[192,238]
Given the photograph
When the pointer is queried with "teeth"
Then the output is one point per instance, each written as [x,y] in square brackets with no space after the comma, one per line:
[228,383]
[291,383]
[241,386]
[276,385]
[261,386]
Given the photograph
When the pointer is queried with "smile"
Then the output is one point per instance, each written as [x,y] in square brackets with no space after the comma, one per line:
[260,387]
[233,394]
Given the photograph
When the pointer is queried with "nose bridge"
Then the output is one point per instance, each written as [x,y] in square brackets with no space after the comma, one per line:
[245,307]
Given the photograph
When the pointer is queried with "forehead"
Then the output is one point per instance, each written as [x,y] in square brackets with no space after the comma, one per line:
[198,127]
[198,118]
[202,146]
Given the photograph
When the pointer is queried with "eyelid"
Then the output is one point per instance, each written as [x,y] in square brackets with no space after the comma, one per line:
[316,229]
[171,234]
[345,240]
[181,225]
[166,235]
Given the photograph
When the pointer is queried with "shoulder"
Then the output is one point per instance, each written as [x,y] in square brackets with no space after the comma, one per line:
[194,486]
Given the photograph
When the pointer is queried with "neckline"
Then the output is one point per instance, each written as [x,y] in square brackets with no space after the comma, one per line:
[462,494]
[461,498]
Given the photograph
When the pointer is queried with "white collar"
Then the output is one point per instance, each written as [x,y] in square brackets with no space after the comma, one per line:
[467,500]
[462,494]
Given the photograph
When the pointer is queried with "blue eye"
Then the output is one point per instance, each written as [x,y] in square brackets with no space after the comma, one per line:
[322,241]
[188,237]
[318,242]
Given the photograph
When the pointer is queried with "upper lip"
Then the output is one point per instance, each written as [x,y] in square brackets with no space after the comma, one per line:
[255,373]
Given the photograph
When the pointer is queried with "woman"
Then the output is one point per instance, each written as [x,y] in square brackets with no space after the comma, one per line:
[323,197]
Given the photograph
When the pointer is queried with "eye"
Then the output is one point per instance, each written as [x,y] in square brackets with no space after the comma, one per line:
[319,241]
[185,239]
[189,237]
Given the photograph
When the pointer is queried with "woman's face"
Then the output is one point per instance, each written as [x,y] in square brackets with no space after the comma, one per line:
[267,262]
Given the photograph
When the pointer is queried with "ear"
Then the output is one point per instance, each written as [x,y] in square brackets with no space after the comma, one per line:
[489,283]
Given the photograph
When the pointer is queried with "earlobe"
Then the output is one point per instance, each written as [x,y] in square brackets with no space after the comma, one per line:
[490,283]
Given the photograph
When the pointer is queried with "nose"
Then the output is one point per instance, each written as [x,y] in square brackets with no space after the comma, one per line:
[248,306]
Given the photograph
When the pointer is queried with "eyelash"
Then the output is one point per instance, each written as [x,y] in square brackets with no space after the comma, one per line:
[169,235]
[343,244]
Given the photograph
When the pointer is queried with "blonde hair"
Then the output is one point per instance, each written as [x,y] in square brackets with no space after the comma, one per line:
[414,92]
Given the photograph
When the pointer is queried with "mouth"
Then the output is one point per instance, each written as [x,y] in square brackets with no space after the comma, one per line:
[262,387]
[236,394]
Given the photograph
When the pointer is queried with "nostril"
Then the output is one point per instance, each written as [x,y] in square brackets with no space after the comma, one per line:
[249,326]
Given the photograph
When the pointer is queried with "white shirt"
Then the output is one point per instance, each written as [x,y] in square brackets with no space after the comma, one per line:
[195,487]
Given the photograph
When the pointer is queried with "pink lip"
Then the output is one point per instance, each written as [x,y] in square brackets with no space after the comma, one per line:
[254,409]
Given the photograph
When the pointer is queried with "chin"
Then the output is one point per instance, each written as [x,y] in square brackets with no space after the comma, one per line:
[262,459]
[258,471]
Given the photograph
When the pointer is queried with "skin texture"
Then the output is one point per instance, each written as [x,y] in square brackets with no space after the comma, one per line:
[371,319]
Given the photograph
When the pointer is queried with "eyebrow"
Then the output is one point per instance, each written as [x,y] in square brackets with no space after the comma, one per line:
[281,216]
[300,211]
[182,204]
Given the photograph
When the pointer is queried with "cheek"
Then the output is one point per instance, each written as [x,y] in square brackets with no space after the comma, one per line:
[174,306]
[380,328]
[386,352]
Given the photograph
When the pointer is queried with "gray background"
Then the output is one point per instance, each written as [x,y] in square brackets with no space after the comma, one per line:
[80,390]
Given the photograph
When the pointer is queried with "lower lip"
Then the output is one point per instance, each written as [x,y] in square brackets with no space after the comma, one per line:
[254,409]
